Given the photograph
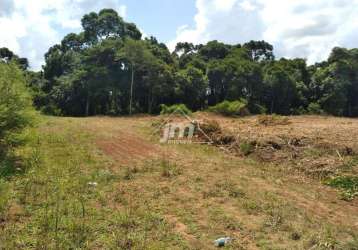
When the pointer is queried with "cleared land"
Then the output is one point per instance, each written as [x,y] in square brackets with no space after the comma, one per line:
[106,183]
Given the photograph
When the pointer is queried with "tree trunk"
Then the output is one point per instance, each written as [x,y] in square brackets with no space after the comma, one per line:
[131,98]
[87,105]
[272,106]
[150,101]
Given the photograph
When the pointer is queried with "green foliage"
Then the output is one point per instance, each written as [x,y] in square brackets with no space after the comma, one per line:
[246,148]
[108,69]
[7,56]
[257,108]
[235,108]
[174,109]
[191,87]
[15,106]
[280,88]
[314,109]
[348,185]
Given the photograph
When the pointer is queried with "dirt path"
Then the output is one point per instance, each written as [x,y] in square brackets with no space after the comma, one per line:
[127,148]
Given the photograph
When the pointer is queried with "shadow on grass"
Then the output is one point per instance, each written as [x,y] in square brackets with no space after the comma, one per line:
[10,166]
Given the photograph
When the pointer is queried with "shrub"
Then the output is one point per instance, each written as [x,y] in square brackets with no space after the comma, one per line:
[15,106]
[235,108]
[314,109]
[176,108]
[51,109]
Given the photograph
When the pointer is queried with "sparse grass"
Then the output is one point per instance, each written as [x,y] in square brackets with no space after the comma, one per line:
[4,197]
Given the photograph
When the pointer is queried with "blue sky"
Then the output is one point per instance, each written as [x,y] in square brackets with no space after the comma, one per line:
[161,18]
[296,28]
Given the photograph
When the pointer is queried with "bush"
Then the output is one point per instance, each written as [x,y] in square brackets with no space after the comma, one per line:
[235,108]
[16,110]
[51,109]
[314,109]
[176,108]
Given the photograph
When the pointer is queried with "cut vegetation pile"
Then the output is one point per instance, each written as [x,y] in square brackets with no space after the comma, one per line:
[312,145]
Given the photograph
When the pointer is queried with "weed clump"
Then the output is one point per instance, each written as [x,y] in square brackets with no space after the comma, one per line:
[129,173]
[235,108]
[246,148]
[169,169]
[176,108]
[347,184]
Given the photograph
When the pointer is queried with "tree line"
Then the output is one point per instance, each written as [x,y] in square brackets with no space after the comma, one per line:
[109,69]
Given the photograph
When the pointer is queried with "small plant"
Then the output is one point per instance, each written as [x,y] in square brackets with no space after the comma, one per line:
[230,188]
[325,240]
[168,169]
[176,108]
[347,184]
[129,173]
[274,220]
[295,236]
[251,206]
[246,148]
[235,108]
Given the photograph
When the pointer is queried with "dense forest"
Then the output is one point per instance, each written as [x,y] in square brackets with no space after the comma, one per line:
[108,69]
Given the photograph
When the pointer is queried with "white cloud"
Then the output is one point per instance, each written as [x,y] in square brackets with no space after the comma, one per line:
[296,28]
[247,5]
[224,5]
[29,28]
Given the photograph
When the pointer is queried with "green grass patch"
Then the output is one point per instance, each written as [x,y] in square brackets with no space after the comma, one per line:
[347,184]
[63,200]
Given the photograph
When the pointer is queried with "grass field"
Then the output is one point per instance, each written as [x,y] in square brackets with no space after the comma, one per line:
[106,183]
